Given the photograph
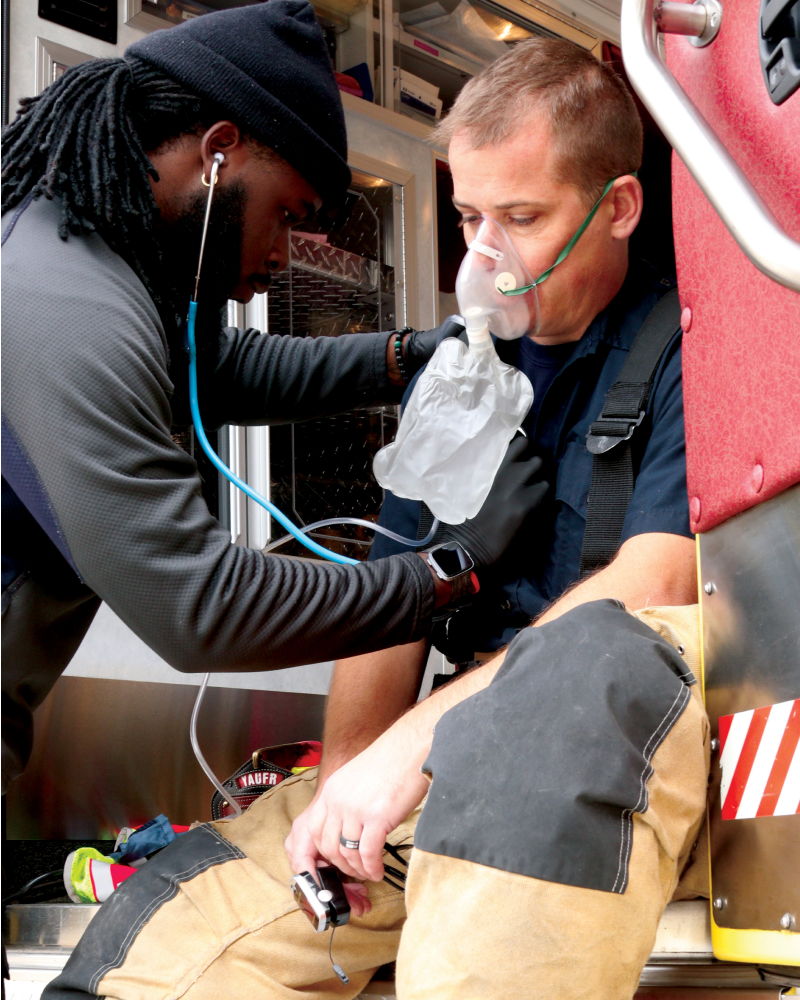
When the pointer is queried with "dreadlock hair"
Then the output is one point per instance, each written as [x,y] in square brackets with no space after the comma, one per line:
[85,140]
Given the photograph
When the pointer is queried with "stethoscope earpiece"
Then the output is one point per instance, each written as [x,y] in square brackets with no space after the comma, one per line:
[219,159]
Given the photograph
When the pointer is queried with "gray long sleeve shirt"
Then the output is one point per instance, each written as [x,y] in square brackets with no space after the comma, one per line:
[88,404]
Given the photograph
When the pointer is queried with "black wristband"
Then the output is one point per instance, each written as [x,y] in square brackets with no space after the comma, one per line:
[398,355]
[468,538]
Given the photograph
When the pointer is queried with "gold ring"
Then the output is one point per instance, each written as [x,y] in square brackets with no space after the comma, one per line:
[205,182]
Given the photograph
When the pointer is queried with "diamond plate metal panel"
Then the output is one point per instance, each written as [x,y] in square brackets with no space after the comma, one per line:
[339,282]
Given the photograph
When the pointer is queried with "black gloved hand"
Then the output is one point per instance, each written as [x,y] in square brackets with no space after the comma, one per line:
[421,344]
[517,491]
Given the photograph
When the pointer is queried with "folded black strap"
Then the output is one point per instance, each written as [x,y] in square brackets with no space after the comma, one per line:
[609,437]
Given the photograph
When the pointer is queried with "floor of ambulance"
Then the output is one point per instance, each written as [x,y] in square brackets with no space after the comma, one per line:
[40,937]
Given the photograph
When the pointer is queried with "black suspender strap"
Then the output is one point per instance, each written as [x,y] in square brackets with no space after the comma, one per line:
[609,437]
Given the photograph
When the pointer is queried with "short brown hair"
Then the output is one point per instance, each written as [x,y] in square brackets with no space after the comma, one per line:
[592,116]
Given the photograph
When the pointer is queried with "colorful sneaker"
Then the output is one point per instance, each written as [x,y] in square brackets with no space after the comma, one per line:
[90,877]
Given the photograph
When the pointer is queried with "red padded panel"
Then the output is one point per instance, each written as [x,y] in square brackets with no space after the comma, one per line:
[741,353]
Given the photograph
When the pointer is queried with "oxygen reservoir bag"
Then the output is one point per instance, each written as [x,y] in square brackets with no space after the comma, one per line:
[467,404]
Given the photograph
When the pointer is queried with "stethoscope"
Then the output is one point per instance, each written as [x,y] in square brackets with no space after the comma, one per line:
[301,534]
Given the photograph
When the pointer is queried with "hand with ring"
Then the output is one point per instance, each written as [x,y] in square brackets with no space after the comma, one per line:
[361,804]
[305,858]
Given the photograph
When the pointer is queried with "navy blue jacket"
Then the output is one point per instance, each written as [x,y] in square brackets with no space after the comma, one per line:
[575,398]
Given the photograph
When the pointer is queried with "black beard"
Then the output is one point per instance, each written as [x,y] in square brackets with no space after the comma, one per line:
[180,248]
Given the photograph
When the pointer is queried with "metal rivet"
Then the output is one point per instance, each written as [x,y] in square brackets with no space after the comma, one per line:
[681,650]
[714,745]
[686,320]
[787,921]
[695,509]
[757,477]
[719,902]
[709,588]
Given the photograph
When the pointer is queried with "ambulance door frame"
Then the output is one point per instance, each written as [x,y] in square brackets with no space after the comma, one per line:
[233,444]
[749,929]
[436,154]
[406,284]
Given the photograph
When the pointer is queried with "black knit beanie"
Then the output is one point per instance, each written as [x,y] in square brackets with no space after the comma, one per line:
[268,67]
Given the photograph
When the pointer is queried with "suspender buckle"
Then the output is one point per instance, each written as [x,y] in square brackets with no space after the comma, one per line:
[607,432]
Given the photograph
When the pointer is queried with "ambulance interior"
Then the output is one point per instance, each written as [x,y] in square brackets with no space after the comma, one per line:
[112,744]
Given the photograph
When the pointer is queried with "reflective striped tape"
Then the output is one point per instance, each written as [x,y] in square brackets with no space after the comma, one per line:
[106,877]
[760,761]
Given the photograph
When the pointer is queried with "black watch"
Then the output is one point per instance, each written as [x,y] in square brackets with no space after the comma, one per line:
[450,561]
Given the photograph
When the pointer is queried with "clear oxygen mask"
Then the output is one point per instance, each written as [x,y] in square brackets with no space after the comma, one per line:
[467,404]
[490,270]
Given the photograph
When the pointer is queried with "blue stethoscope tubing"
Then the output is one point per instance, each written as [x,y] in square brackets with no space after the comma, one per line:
[279,516]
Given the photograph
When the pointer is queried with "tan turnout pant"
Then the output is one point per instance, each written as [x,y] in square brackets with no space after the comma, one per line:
[462,930]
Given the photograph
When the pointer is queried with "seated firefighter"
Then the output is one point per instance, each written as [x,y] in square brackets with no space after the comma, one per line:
[554,793]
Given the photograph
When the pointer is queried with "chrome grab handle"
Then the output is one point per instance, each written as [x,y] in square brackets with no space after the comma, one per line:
[747,218]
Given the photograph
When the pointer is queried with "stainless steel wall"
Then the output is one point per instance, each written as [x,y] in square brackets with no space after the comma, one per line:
[113,753]
[751,638]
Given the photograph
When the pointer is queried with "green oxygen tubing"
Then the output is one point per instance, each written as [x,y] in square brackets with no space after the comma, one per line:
[299,533]
[568,248]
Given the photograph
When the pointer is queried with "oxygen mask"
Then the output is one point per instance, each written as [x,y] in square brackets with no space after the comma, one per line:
[467,404]
[490,270]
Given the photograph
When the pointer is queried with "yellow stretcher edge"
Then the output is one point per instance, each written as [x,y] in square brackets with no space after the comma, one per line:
[732,944]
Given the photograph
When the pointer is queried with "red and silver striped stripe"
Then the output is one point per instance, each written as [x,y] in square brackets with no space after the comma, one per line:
[107,877]
[760,761]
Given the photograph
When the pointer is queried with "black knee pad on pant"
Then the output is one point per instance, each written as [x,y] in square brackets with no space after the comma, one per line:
[541,772]
[108,938]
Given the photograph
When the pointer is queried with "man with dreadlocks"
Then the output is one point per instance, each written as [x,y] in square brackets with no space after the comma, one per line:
[103,202]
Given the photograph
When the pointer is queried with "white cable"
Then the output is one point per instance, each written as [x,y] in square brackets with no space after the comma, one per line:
[199,753]
[364,524]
